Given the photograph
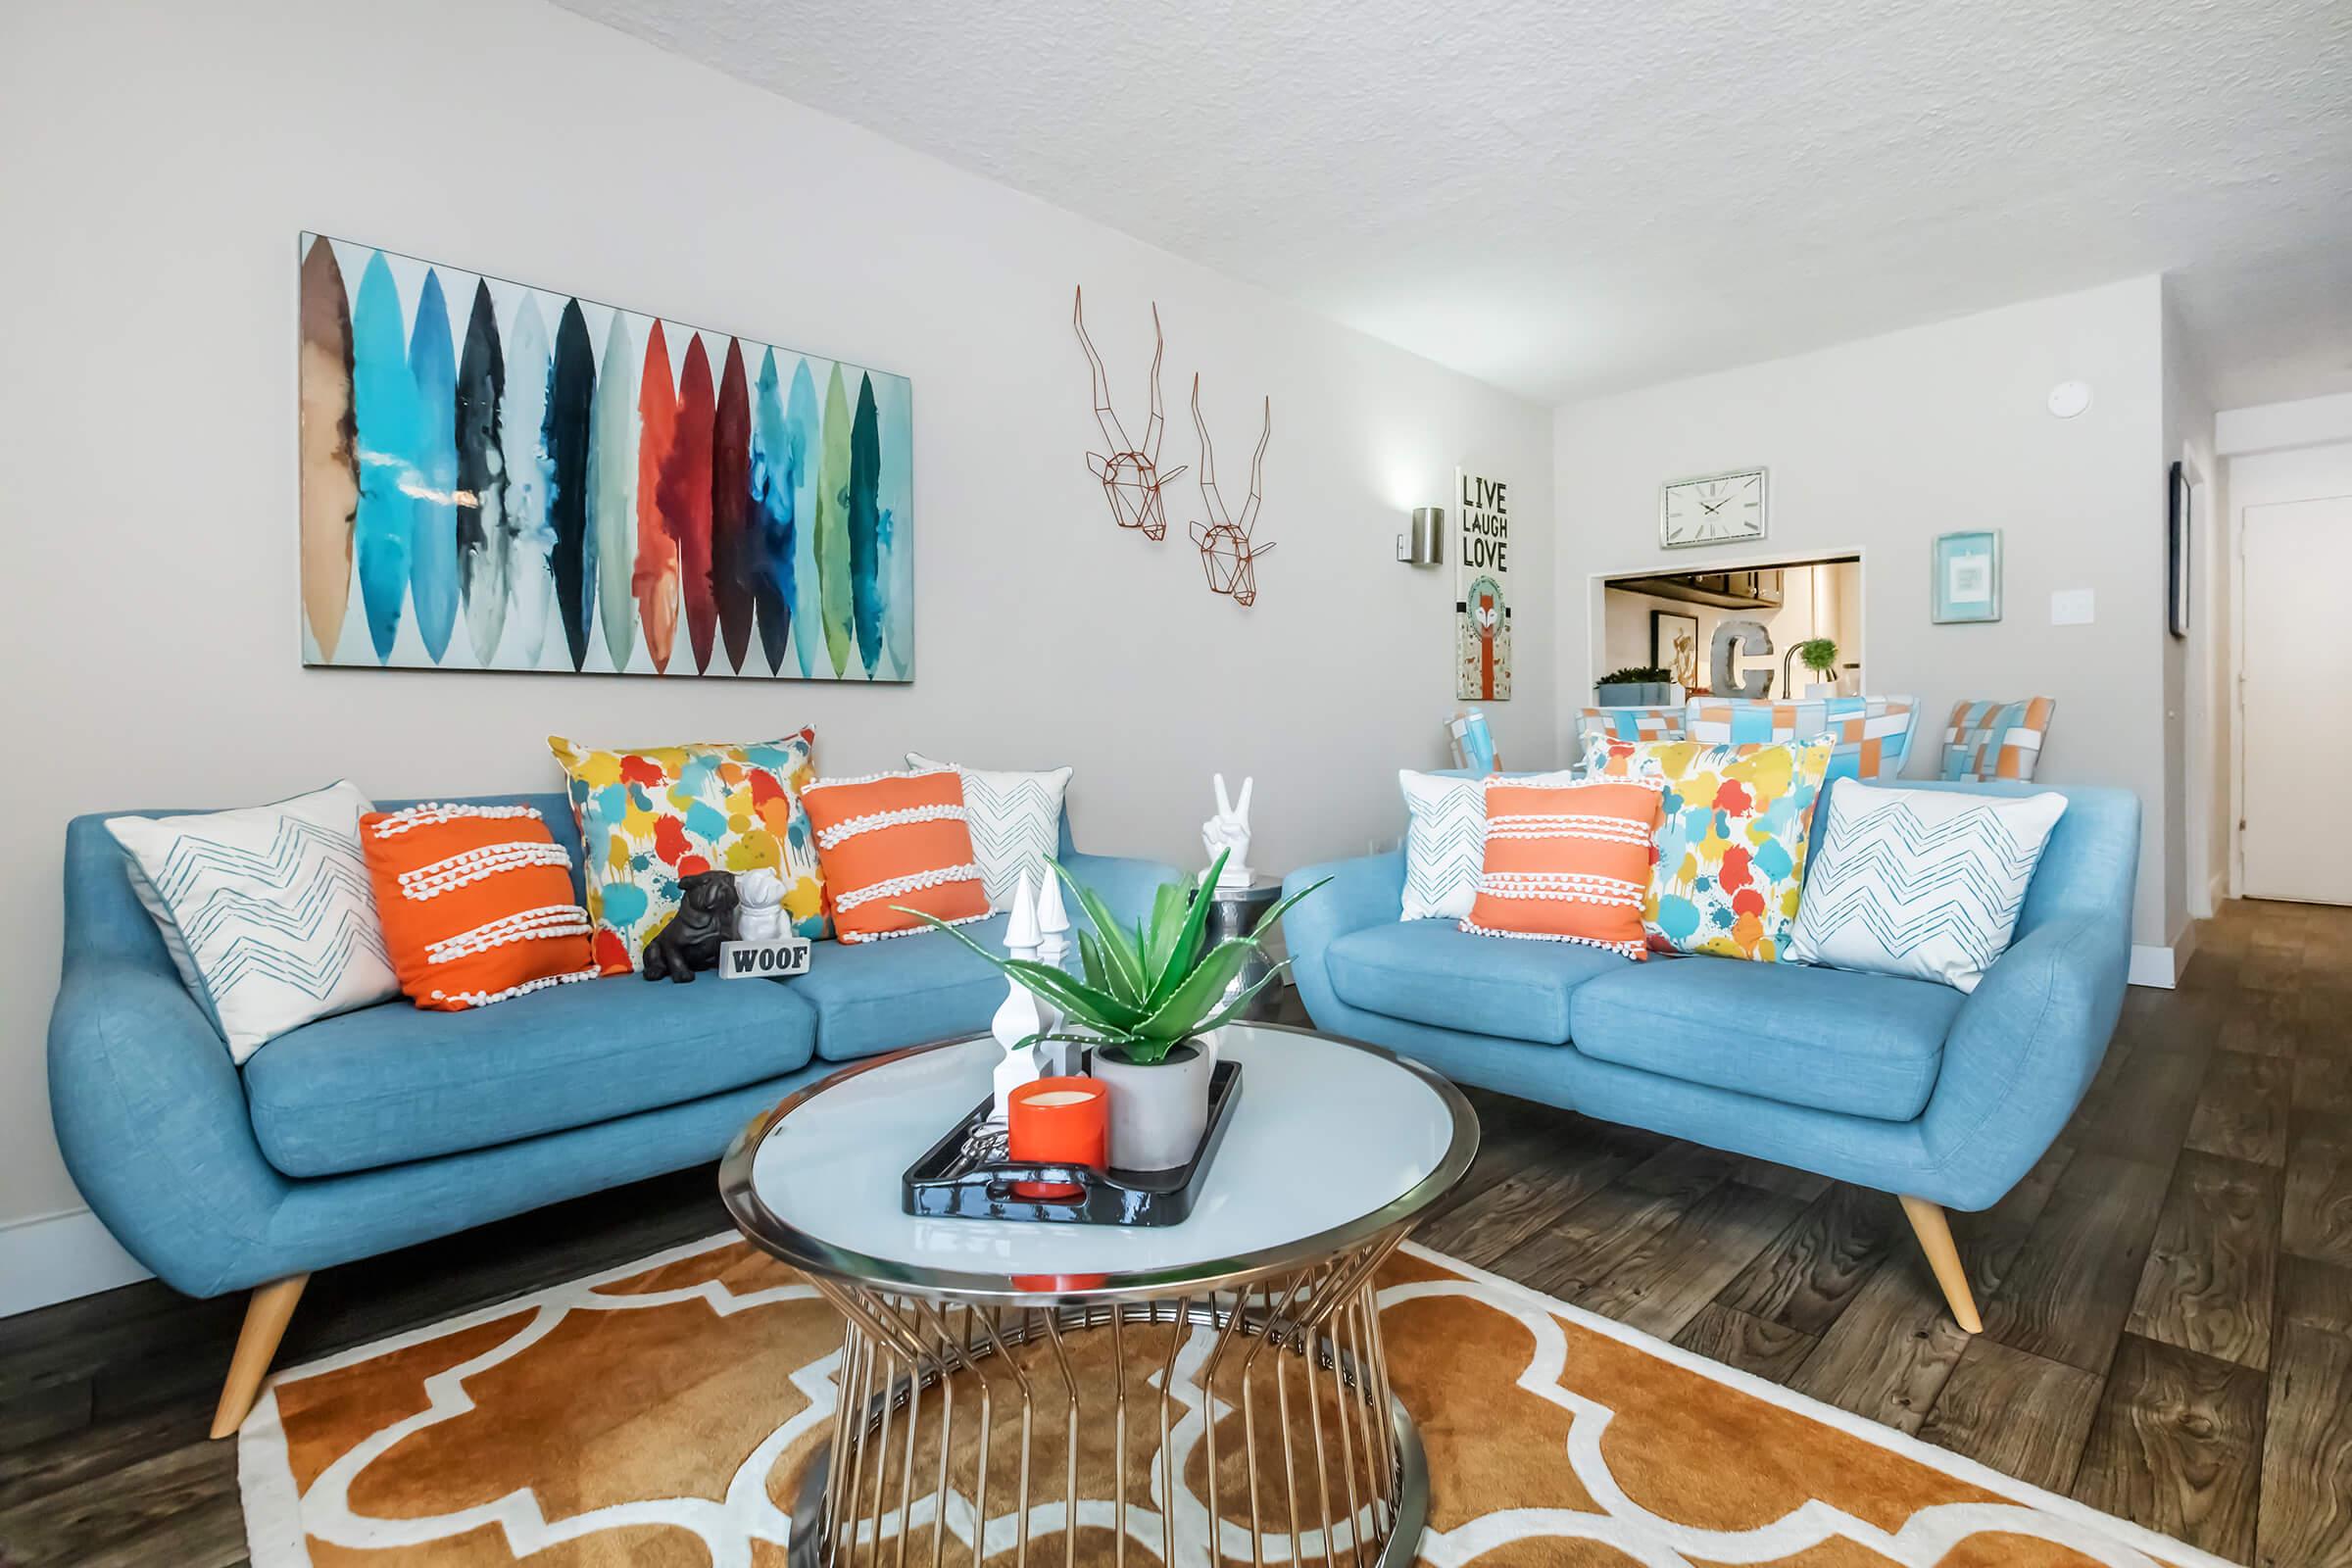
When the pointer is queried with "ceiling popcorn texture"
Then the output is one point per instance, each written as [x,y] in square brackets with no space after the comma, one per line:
[1574,199]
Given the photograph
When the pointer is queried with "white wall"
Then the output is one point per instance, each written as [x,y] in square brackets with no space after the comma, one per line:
[160,161]
[2195,727]
[1881,445]
[1835,613]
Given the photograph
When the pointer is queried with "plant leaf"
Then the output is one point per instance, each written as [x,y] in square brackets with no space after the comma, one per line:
[1090,960]
[1123,963]
[1227,1015]
[1168,916]
[1268,921]
[1096,1009]
[1187,946]
[1196,995]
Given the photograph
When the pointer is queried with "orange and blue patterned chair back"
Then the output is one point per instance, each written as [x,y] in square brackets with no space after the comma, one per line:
[1996,740]
[1872,734]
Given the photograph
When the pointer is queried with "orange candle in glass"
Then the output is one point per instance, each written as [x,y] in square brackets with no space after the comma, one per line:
[1058,1121]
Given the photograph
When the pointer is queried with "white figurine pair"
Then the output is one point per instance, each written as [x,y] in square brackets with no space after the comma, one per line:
[1039,929]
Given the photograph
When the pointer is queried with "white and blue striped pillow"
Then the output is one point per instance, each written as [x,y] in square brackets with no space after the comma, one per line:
[1445,841]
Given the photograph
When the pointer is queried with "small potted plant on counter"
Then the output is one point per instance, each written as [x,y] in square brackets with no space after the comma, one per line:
[1147,999]
[1820,656]
[1635,686]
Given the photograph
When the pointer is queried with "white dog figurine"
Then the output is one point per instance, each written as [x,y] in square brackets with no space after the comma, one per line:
[1229,831]
[760,918]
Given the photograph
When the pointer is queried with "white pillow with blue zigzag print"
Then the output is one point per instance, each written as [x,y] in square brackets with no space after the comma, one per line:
[1925,884]
[1445,841]
[1016,821]
[266,910]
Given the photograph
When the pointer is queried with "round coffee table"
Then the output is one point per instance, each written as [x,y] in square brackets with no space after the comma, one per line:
[1230,1369]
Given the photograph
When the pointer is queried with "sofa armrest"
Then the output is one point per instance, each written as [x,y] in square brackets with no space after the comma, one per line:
[2023,1049]
[151,1117]
[1127,886]
[1365,892]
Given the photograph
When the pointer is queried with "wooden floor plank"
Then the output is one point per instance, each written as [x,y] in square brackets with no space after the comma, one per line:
[2242,1110]
[177,1508]
[1890,1351]
[2177,1445]
[1806,1277]
[2307,1452]
[2207,1283]
[1662,1281]
[2316,1294]
[2021,1414]
[2317,1219]
[1740,1338]
[1584,1246]
[1491,1223]
[2074,1282]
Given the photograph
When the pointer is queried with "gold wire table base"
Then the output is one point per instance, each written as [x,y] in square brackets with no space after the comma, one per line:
[975,1433]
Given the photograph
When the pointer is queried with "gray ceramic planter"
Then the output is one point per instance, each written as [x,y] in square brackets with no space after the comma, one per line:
[1158,1113]
[1632,694]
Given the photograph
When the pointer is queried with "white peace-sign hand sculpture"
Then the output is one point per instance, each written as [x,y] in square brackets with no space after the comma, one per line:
[1229,831]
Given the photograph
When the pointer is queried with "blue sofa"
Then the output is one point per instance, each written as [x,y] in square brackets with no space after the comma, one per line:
[378,1128]
[1941,1097]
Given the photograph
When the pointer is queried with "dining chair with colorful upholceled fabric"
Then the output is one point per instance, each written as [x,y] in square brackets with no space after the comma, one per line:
[1988,739]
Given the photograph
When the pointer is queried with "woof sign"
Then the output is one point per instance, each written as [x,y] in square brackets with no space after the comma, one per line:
[779,959]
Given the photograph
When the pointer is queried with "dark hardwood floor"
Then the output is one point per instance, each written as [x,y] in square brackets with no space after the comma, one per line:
[2167,1297]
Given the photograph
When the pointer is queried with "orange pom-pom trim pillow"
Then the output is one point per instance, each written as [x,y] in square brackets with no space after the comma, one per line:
[894,839]
[476,902]
[1567,863]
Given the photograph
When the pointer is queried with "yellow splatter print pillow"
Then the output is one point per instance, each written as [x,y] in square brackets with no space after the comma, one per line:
[651,814]
[1731,842]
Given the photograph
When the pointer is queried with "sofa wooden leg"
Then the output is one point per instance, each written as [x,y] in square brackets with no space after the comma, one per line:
[267,1314]
[1935,1235]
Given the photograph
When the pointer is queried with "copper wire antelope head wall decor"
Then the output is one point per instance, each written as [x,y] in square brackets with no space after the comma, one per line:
[1228,554]
[1130,473]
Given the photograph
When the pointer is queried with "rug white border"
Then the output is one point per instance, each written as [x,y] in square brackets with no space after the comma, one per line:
[275,1537]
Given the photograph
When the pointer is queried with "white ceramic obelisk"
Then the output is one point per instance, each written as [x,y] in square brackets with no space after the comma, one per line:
[1017,1016]
[1055,1057]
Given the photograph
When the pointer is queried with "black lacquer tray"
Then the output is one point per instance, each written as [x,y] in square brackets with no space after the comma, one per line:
[952,1181]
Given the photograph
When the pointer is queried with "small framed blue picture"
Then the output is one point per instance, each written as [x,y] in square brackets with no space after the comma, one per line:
[1968,576]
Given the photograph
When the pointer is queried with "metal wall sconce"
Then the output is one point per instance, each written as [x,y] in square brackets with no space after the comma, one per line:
[1424,544]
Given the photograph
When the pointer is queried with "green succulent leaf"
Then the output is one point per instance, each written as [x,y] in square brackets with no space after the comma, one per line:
[1239,1003]
[1187,944]
[1095,1007]
[1196,995]
[1167,922]
[1092,963]
[1123,961]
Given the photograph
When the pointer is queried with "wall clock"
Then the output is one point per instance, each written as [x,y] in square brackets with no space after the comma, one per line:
[1712,510]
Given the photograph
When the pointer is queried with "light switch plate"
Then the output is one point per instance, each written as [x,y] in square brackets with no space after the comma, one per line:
[2072,607]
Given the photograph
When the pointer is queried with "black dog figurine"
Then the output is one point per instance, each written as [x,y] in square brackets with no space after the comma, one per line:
[706,919]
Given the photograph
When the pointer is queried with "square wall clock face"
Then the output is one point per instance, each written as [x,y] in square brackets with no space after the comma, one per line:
[1717,509]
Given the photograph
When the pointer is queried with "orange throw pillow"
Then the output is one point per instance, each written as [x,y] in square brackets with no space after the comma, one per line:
[477,903]
[1567,863]
[894,839]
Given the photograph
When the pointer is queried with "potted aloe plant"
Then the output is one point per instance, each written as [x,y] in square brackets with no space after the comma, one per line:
[1147,999]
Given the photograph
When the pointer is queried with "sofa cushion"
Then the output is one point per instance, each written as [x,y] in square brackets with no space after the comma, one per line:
[873,996]
[1862,1044]
[1433,972]
[393,1082]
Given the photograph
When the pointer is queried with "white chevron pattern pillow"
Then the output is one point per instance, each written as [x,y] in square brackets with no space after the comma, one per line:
[1016,821]
[1445,841]
[266,910]
[1926,884]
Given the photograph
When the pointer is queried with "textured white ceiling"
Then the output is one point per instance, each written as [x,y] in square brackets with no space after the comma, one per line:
[1573,197]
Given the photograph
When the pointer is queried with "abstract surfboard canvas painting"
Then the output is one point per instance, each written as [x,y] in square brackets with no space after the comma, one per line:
[500,477]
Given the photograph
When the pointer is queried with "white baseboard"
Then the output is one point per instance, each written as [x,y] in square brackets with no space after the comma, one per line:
[2155,966]
[56,1258]
[2162,968]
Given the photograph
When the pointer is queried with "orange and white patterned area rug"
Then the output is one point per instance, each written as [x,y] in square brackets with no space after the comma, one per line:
[662,1413]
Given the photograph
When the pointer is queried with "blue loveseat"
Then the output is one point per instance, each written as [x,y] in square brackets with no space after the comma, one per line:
[1943,1097]
[378,1128]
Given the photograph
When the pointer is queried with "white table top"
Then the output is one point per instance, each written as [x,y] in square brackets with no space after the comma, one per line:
[1327,1138]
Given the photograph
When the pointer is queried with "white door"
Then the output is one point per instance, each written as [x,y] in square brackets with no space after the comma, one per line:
[2296,700]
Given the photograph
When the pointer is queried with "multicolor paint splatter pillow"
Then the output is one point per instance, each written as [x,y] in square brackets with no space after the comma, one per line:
[1731,837]
[651,814]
